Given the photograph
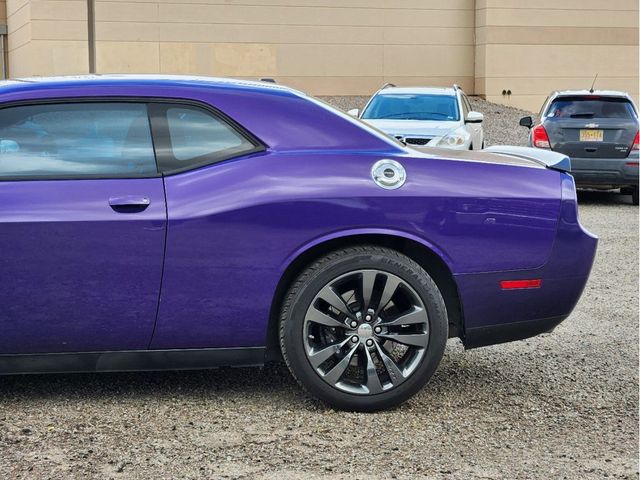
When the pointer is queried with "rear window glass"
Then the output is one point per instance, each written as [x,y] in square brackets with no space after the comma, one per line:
[196,137]
[591,107]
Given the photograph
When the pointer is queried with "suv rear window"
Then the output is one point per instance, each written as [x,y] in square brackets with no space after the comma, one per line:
[591,107]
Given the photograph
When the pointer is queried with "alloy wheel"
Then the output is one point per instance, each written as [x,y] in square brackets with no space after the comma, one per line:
[366,332]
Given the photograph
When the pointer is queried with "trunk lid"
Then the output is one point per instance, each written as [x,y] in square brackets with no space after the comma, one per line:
[552,160]
[503,155]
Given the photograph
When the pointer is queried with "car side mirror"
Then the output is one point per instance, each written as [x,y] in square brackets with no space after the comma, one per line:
[354,112]
[526,122]
[474,117]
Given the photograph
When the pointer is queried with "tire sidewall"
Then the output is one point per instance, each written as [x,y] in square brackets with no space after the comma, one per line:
[391,262]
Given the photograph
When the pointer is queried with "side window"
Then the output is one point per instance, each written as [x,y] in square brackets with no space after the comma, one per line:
[76,139]
[194,136]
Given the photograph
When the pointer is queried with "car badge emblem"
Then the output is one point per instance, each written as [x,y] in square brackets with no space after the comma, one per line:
[388,174]
[592,125]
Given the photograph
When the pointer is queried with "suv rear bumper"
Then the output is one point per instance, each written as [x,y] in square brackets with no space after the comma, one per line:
[606,172]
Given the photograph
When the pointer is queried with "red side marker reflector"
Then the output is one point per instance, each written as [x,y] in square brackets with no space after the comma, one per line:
[518,284]
[632,164]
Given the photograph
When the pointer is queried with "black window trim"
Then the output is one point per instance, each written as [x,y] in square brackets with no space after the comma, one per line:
[162,138]
[259,146]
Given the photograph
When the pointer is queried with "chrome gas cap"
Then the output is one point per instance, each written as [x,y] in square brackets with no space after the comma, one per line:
[388,174]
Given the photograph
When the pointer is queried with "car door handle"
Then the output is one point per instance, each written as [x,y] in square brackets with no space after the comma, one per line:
[129,203]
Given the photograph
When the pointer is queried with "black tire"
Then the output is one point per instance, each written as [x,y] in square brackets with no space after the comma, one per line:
[634,196]
[385,263]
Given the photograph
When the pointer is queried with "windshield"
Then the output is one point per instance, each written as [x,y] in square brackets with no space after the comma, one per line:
[591,107]
[443,108]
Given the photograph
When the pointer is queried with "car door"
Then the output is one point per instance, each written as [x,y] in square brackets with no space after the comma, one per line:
[82,227]
[202,303]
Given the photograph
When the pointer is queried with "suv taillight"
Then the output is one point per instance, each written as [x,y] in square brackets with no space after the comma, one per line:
[636,142]
[539,137]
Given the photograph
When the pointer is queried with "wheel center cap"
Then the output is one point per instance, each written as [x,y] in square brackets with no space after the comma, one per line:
[365,331]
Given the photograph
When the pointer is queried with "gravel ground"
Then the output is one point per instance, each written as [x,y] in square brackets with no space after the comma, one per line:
[563,405]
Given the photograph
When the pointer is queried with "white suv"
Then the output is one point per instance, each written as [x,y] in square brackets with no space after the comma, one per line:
[420,116]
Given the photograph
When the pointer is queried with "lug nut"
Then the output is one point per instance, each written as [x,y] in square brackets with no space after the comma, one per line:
[353,324]
[377,329]
[355,339]
[369,343]
[368,318]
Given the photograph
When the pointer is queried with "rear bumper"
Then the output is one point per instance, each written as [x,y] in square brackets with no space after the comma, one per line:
[509,332]
[602,172]
[492,315]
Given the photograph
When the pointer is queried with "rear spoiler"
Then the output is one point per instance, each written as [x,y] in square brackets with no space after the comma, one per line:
[552,160]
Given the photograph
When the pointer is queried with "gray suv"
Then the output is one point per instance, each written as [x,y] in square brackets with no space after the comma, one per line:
[598,130]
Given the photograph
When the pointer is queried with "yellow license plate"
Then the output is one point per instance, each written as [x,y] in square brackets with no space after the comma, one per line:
[591,135]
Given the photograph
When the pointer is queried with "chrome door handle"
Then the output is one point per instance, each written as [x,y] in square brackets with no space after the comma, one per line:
[129,203]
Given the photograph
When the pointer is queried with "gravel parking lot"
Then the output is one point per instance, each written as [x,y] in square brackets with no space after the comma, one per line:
[563,405]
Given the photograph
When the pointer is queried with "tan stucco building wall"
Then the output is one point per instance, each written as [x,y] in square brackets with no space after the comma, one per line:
[338,47]
[532,48]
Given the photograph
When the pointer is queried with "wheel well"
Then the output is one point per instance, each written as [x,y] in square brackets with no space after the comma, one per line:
[426,258]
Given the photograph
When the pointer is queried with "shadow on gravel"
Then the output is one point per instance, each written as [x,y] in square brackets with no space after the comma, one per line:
[231,381]
[455,374]
[591,197]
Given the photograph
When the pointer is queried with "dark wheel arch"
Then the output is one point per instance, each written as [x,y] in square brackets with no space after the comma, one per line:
[422,255]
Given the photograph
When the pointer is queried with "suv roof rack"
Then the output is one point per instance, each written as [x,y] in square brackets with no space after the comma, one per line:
[388,84]
[456,86]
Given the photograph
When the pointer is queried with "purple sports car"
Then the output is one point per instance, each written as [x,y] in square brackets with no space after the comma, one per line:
[151,223]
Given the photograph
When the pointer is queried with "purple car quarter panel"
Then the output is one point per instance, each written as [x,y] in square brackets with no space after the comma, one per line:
[529,311]
[76,274]
[232,227]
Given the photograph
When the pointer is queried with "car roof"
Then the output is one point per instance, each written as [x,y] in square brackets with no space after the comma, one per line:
[44,83]
[269,111]
[418,90]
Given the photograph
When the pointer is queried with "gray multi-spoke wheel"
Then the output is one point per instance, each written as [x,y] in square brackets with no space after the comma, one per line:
[363,328]
[366,331]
